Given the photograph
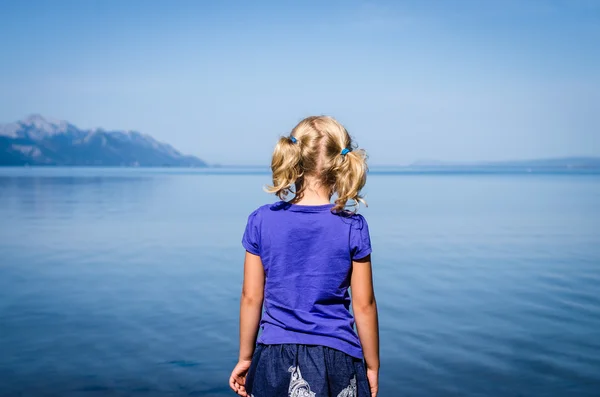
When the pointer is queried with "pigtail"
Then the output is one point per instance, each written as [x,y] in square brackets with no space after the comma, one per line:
[285,166]
[350,175]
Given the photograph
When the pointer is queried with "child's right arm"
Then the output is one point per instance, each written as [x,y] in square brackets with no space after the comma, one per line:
[364,307]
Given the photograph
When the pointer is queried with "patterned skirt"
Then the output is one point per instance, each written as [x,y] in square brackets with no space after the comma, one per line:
[305,371]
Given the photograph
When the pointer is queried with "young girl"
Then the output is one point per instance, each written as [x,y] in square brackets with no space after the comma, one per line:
[302,255]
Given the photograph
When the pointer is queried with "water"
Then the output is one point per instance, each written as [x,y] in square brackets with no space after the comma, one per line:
[119,282]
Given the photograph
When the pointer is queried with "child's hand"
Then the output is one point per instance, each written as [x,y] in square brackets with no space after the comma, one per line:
[237,380]
[373,377]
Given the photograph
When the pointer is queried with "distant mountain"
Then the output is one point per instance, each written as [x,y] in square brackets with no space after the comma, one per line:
[37,140]
[563,162]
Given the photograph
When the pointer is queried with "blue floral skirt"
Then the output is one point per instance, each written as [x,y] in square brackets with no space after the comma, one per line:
[305,371]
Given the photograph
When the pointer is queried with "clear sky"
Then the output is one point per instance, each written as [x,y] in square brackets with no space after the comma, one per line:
[447,80]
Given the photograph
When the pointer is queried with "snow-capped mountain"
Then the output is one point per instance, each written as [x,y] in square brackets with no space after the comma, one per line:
[37,140]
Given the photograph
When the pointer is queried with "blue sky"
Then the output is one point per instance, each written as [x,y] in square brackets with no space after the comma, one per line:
[449,80]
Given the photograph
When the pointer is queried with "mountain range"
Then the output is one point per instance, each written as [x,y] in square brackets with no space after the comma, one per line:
[556,163]
[37,140]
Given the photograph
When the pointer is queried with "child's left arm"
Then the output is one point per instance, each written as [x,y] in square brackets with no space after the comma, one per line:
[250,313]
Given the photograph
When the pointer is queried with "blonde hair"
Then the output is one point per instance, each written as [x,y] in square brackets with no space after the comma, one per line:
[319,146]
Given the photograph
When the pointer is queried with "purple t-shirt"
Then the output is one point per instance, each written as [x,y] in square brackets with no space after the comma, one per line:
[307,254]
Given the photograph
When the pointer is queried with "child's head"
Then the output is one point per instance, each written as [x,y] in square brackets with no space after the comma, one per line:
[320,148]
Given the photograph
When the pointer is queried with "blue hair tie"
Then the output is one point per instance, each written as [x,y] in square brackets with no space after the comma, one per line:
[293,139]
[345,151]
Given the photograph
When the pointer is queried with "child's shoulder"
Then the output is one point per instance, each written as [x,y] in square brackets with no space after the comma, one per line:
[352,215]
[273,207]
[354,220]
[266,208]
[258,211]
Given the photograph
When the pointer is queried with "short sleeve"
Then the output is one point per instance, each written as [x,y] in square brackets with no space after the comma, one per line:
[251,238]
[360,240]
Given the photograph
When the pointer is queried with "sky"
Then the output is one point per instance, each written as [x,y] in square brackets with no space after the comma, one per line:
[410,79]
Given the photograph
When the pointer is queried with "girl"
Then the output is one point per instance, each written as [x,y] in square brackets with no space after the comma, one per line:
[302,255]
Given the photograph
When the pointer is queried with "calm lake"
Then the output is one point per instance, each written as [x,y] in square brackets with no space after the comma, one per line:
[126,282]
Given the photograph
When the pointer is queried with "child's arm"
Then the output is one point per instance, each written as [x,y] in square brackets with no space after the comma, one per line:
[365,315]
[251,304]
[250,311]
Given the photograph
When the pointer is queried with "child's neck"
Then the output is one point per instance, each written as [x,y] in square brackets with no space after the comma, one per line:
[314,193]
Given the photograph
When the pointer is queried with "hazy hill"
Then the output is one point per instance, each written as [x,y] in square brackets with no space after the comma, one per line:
[563,162]
[37,140]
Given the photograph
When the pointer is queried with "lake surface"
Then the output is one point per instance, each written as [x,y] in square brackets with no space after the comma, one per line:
[119,282]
